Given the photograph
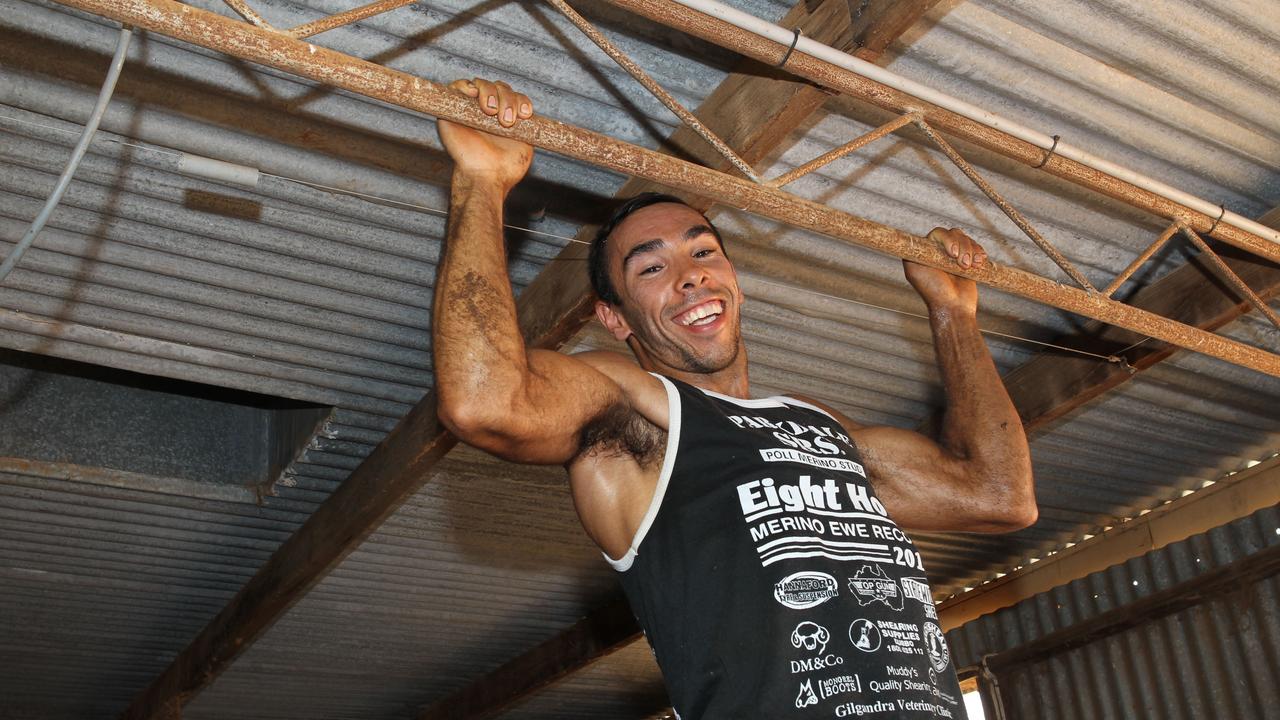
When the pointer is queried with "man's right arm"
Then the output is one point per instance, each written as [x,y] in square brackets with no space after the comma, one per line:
[519,404]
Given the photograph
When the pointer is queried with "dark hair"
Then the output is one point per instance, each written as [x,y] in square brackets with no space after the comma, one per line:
[597,266]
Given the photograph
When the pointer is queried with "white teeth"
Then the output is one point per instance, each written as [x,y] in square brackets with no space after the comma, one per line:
[695,316]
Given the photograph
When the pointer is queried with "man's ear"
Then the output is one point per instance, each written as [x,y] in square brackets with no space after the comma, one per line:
[613,321]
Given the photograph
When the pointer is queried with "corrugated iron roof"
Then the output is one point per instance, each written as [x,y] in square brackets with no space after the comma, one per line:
[316,285]
[1212,659]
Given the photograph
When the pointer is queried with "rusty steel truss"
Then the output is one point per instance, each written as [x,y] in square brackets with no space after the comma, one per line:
[282,49]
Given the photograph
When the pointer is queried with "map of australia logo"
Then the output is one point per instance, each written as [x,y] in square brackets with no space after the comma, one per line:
[870,584]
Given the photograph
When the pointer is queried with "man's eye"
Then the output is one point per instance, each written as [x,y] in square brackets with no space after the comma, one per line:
[651,270]
[704,253]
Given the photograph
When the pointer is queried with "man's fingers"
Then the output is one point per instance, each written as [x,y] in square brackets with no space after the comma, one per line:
[508,103]
[487,93]
[496,99]
[464,86]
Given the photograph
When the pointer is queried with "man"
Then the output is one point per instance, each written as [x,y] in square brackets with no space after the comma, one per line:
[753,536]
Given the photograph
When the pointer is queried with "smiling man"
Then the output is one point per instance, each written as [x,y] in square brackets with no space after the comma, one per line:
[759,540]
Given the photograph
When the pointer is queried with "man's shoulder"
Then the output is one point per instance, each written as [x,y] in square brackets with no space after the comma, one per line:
[608,361]
[644,393]
[845,420]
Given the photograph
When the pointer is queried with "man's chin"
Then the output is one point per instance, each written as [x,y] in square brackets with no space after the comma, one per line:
[712,362]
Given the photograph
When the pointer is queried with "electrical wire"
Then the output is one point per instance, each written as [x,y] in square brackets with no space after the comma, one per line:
[104,97]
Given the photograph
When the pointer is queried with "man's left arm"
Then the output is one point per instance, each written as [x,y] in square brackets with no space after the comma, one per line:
[977,477]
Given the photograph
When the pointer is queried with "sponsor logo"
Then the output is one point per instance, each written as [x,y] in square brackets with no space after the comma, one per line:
[805,589]
[798,456]
[864,635]
[936,647]
[810,636]
[870,584]
[918,589]
[821,662]
[839,685]
[900,637]
[807,696]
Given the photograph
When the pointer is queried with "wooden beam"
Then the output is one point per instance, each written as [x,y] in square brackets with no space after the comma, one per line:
[1052,385]
[1224,501]
[1239,575]
[876,24]
[605,630]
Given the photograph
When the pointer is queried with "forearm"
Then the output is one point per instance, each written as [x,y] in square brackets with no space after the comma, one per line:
[478,349]
[981,425]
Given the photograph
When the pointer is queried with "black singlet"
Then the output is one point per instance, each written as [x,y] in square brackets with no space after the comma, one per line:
[769,580]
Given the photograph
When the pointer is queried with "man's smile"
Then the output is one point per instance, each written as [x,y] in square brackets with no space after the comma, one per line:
[701,314]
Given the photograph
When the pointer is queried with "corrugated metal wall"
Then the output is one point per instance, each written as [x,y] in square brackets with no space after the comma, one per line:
[323,296]
[1218,658]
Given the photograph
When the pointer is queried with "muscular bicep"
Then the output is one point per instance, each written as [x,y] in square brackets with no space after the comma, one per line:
[925,486]
[541,420]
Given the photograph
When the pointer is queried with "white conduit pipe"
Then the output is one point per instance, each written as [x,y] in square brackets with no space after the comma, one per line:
[785,37]
[104,96]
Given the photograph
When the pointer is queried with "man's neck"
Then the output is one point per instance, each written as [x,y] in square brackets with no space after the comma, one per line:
[731,381]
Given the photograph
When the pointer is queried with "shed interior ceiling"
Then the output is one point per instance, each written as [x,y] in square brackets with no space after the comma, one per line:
[315,286]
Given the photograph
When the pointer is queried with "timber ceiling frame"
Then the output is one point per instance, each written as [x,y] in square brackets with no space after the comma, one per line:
[398,467]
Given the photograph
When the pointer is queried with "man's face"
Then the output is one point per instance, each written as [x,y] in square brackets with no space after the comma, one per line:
[680,296]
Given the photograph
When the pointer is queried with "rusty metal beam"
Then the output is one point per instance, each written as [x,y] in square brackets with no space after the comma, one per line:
[337,20]
[1142,258]
[642,77]
[1005,206]
[1230,276]
[830,76]
[850,147]
[332,68]
[1051,385]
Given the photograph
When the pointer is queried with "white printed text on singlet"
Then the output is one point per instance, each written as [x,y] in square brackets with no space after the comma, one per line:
[812,518]
[861,633]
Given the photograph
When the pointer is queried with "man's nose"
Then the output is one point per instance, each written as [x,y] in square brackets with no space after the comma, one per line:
[692,276]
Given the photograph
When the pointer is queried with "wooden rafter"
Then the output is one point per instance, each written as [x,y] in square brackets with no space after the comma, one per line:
[1231,499]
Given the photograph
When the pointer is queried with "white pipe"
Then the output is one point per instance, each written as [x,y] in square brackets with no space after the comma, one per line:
[871,71]
[104,97]
[218,170]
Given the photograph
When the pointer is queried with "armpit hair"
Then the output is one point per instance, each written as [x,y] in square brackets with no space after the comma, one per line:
[620,430]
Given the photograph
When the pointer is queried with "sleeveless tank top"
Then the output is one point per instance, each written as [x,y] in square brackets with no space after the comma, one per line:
[769,579]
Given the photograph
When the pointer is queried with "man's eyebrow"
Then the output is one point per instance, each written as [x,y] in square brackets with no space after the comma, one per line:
[642,248]
[698,231]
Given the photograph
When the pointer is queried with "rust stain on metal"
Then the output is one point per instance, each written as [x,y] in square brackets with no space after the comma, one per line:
[1226,274]
[849,147]
[337,20]
[1141,259]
